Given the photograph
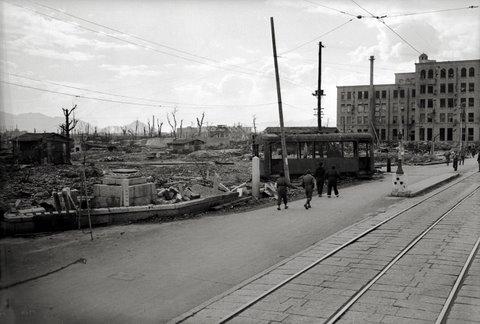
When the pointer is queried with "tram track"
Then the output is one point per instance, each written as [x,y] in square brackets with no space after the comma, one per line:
[338,314]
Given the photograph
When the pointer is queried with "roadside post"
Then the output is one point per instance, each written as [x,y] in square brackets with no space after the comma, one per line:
[256,177]
[399,179]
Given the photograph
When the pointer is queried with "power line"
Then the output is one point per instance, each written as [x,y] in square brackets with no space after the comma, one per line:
[316,38]
[429,12]
[372,15]
[400,36]
[327,7]
[124,102]
[79,96]
[253,72]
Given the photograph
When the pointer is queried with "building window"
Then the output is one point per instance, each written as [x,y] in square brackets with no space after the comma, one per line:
[450,87]
[395,93]
[429,118]
[463,73]
[470,135]
[430,74]
[365,119]
[342,120]
[450,102]
[450,117]
[394,133]
[430,103]
[471,87]
[349,120]
[429,134]
[442,117]
[359,119]
[384,94]
[451,74]
[383,134]
[471,117]
[449,134]
[377,94]
[443,73]
[342,95]
[413,93]
[422,118]
[394,120]
[470,102]
[442,102]
[422,134]
[422,88]
[360,94]
[442,134]
[463,87]
[360,109]
[442,88]
[422,103]
[422,74]
[430,88]
[471,72]
[402,93]
[349,95]
[365,94]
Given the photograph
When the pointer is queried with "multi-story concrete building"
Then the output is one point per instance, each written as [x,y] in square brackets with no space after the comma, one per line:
[440,101]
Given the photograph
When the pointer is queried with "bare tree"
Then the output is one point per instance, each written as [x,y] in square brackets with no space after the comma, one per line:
[149,128]
[200,124]
[255,124]
[136,128]
[124,130]
[68,126]
[181,129]
[159,128]
[173,122]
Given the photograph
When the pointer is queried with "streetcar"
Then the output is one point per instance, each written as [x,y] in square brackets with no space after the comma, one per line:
[350,153]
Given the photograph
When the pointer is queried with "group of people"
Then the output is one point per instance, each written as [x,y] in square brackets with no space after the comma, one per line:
[458,158]
[309,181]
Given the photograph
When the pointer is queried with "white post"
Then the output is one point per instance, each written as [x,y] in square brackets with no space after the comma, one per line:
[125,199]
[255,176]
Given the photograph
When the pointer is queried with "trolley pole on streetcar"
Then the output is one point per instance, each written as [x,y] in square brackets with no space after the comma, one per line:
[280,111]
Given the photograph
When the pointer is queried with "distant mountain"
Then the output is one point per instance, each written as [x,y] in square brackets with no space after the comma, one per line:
[30,122]
[130,127]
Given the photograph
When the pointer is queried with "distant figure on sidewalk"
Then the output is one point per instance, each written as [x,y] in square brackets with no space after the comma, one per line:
[282,186]
[332,178]
[478,160]
[308,183]
[447,157]
[462,156]
[455,161]
[320,178]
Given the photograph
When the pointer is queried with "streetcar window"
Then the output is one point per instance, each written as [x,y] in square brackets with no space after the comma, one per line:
[320,150]
[306,150]
[348,151]
[363,150]
[334,149]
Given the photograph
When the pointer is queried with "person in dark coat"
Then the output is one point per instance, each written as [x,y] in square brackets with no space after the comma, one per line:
[320,178]
[455,161]
[332,176]
[478,161]
[447,157]
[462,156]
[308,183]
[282,185]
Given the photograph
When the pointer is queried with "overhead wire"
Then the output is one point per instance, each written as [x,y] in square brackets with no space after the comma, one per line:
[331,8]
[429,12]
[251,71]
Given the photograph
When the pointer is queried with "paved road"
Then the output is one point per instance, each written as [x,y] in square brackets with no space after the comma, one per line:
[155,272]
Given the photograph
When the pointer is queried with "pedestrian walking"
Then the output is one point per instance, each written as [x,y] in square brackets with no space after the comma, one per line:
[332,178]
[320,178]
[282,186]
[478,161]
[447,157]
[455,161]
[462,156]
[308,183]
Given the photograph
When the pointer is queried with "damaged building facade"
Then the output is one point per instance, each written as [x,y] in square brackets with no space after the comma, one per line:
[440,101]
[40,148]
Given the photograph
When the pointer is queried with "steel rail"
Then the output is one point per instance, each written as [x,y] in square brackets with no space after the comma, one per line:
[329,254]
[442,317]
[338,314]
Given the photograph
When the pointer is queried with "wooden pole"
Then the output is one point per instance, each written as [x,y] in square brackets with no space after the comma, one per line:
[280,111]
[320,91]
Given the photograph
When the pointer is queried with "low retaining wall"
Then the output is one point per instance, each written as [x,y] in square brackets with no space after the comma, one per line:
[51,221]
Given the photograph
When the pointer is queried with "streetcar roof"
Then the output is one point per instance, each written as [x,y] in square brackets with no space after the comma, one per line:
[332,137]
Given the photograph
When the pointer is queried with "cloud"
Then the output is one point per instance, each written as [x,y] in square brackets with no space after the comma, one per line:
[73,56]
[130,70]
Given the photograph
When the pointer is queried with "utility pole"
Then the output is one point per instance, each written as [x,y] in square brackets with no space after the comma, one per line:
[319,91]
[280,111]
[372,99]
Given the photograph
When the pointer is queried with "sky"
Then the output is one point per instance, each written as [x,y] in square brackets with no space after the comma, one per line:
[145,58]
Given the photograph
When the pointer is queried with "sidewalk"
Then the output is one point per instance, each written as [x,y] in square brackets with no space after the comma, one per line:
[412,292]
